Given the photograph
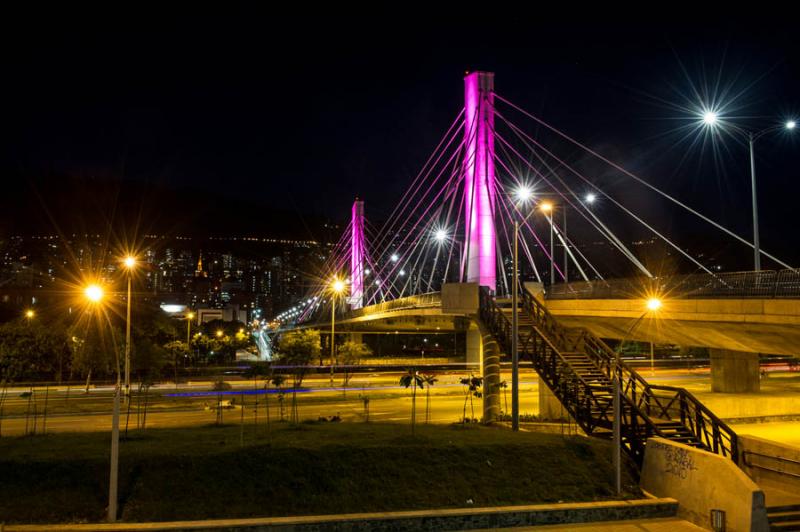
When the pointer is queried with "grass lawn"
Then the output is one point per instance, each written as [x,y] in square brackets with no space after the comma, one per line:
[320,468]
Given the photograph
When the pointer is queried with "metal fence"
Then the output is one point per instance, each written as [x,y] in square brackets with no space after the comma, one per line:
[762,285]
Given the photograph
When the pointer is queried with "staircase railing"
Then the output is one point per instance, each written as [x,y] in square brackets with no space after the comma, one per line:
[590,404]
[665,403]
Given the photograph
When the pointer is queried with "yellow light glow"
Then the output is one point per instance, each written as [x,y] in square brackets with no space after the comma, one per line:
[93,293]
[338,286]
[653,303]
[546,206]
[29,313]
[190,315]
[219,334]
[130,261]
[241,331]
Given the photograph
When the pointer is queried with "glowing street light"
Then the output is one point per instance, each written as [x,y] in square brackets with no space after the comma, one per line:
[790,124]
[546,206]
[219,333]
[394,257]
[523,193]
[440,235]
[653,304]
[590,197]
[29,314]
[710,118]
[93,293]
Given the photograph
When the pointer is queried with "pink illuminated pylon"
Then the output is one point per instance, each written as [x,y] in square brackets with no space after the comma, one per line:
[479,196]
[357,256]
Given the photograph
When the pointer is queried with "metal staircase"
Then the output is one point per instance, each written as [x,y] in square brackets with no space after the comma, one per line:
[579,369]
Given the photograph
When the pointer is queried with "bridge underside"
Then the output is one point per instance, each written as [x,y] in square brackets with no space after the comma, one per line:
[754,326]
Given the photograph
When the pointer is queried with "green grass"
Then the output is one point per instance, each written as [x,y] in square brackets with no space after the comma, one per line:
[306,469]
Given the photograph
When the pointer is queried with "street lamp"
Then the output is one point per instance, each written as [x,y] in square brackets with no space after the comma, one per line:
[94,294]
[29,314]
[130,263]
[711,119]
[189,318]
[337,287]
[523,195]
[651,305]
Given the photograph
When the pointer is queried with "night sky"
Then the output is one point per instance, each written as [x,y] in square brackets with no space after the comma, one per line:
[290,118]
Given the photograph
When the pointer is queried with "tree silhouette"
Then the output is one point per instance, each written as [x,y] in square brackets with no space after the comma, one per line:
[413,379]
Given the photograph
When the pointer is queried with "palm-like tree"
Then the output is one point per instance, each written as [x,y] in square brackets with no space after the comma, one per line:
[504,386]
[430,380]
[473,389]
[413,379]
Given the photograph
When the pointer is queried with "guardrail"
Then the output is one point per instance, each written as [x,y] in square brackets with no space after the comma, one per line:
[780,460]
[761,284]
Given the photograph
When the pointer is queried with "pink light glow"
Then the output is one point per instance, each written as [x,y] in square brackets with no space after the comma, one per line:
[479,189]
[357,256]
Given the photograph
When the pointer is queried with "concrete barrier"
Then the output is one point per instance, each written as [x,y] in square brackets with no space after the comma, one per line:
[771,464]
[432,520]
[701,482]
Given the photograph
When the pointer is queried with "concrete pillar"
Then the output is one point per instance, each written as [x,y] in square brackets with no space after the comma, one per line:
[491,378]
[550,407]
[734,371]
[474,348]
[483,358]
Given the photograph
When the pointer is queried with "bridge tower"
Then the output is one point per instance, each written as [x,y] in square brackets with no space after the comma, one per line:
[479,190]
[357,256]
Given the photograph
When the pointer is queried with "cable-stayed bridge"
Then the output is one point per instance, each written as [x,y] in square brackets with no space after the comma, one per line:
[492,201]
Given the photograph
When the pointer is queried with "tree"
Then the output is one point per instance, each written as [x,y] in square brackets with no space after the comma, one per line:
[412,379]
[350,354]
[31,351]
[179,350]
[298,349]
[473,389]
[95,350]
[504,386]
[430,380]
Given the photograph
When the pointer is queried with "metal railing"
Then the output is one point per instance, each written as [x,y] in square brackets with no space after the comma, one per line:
[778,461]
[761,284]
[645,408]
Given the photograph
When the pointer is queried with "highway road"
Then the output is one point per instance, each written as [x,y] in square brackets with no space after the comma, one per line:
[192,404]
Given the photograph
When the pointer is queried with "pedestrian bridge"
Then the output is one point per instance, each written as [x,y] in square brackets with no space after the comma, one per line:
[755,312]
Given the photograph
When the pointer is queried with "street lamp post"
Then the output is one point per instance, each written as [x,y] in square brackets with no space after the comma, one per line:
[652,304]
[523,195]
[547,208]
[336,288]
[710,119]
[189,318]
[94,293]
[130,263]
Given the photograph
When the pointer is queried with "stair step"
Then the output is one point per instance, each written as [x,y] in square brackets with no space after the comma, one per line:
[793,526]
[788,517]
[783,509]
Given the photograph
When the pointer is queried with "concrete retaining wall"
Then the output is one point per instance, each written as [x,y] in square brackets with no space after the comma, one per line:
[702,481]
[433,520]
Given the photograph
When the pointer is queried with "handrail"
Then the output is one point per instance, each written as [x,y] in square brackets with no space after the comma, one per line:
[780,459]
[767,284]
[576,394]
[693,415]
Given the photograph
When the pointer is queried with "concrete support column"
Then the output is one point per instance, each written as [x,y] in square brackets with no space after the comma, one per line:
[491,379]
[734,371]
[549,406]
[474,348]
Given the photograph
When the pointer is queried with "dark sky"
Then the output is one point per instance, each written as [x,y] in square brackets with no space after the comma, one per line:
[300,114]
